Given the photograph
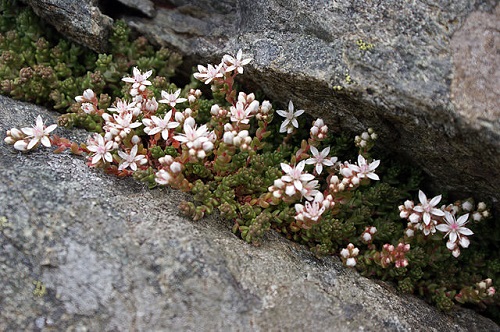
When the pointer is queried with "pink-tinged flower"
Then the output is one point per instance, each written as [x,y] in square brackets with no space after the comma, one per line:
[101,149]
[290,118]
[236,63]
[428,207]
[123,106]
[38,133]
[209,73]
[197,140]
[295,176]
[157,124]
[88,108]
[124,122]
[131,159]
[310,189]
[171,99]
[240,113]
[163,177]
[454,228]
[139,81]
[319,130]
[151,105]
[363,169]
[319,159]
[309,212]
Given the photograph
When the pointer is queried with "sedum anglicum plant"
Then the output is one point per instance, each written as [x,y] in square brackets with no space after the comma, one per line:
[268,169]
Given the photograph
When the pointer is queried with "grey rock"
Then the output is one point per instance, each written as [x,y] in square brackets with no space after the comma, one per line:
[81,21]
[146,7]
[115,256]
[429,84]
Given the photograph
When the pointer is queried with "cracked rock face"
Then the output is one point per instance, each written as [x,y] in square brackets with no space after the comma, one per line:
[423,74]
[82,250]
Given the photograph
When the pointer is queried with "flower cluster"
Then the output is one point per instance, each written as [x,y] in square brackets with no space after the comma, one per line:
[295,183]
[367,235]
[366,140]
[481,291]
[391,254]
[310,213]
[349,254]
[428,218]
[29,138]
[353,175]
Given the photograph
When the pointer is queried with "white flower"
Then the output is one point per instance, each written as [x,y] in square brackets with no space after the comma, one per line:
[172,98]
[209,73]
[196,139]
[365,170]
[454,228]
[157,124]
[123,106]
[310,189]
[309,211]
[139,81]
[124,122]
[290,118]
[240,113]
[101,149]
[320,159]
[131,159]
[236,63]
[38,133]
[428,207]
[295,176]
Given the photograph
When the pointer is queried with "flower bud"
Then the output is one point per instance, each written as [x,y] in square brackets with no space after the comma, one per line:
[135,140]
[228,137]
[265,107]
[176,167]
[21,145]
[9,140]
[179,117]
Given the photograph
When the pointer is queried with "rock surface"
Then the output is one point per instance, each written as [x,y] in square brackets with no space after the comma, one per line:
[112,255]
[424,74]
[81,21]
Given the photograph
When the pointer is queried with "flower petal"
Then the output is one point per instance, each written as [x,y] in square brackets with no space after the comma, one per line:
[421,197]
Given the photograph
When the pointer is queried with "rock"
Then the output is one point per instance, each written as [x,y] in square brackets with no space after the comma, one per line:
[146,7]
[81,21]
[82,250]
[423,74]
